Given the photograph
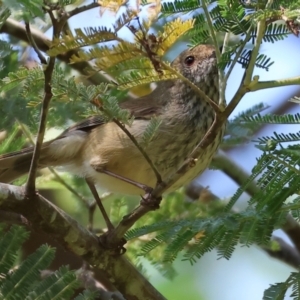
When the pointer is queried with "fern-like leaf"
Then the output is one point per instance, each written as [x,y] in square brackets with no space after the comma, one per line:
[275,32]
[28,9]
[179,6]
[10,243]
[199,34]
[59,285]
[123,19]
[144,76]
[273,119]
[4,14]
[150,131]
[14,79]
[107,57]
[21,281]
[170,34]
[234,14]
[137,232]
[177,244]
[276,291]
[279,138]
[91,36]
[88,295]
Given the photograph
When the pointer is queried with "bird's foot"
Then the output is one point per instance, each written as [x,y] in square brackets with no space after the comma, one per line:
[116,248]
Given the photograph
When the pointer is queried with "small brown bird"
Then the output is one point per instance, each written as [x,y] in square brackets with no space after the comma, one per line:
[93,146]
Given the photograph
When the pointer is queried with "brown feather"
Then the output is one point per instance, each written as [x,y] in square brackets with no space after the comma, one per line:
[17,163]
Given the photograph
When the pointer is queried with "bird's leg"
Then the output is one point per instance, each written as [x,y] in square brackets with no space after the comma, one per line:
[147,199]
[145,188]
[118,248]
[91,185]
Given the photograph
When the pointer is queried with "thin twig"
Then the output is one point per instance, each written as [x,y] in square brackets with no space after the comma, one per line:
[226,42]
[237,55]
[81,9]
[132,138]
[211,29]
[222,82]
[69,187]
[30,184]
[240,93]
[260,85]
[144,153]
[33,44]
[261,28]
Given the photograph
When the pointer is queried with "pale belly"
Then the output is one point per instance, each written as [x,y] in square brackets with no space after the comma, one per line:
[111,150]
[138,170]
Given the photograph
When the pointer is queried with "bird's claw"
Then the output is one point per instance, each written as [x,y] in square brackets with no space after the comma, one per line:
[116,248]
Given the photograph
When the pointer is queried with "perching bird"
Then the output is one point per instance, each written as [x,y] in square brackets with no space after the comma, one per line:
[94,147]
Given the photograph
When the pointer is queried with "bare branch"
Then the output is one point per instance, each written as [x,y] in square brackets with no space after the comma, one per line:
[30,185]
[33,44]
[234,171]
[81,9]
[13,218]
[261,28]
[44,216]
[285,253]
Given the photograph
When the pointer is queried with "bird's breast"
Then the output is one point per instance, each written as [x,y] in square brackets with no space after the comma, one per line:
[109,148]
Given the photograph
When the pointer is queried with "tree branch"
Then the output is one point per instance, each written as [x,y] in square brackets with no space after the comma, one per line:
[261,28]
[30,185]
[17,30]
[260,85]
[234,171]
[33,44]
[81,9]
[43,215]
[285,252]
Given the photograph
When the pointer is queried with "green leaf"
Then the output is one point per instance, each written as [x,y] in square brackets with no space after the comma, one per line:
[21,281]
[10,243]
[150,132]
[58,286]
[27,9]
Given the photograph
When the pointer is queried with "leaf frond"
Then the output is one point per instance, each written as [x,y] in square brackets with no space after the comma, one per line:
[90,36]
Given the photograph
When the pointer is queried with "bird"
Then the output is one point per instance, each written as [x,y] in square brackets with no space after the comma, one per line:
[101,152]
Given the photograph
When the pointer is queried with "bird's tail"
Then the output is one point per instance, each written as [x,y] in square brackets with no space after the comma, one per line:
[58,152]
[15,164]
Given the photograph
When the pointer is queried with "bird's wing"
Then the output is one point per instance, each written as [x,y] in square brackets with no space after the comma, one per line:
[142,108]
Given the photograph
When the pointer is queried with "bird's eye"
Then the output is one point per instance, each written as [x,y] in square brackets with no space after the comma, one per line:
[189,60]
